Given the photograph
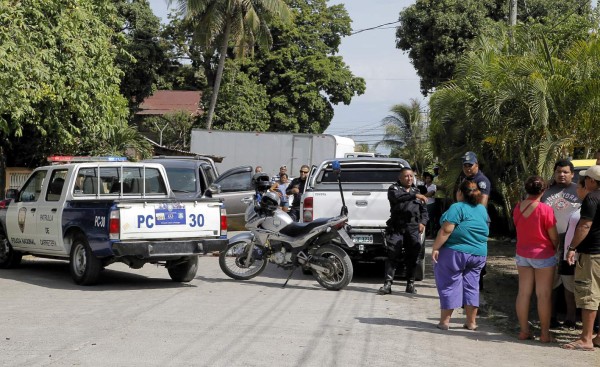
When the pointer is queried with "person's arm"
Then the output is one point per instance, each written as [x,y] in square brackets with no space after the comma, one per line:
[553,234]
[431,192]
[441,238]
[290,189]
[484,200]
[398,195]
[581,231]
[424,217]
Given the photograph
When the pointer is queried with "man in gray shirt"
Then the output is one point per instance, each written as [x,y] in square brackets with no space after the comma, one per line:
[562,197]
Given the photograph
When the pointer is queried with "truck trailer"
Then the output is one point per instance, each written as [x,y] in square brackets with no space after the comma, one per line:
[270,150]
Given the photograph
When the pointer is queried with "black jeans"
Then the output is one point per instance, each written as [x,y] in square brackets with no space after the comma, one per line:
[404,247]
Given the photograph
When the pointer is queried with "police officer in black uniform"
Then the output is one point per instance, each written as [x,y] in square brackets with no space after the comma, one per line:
[407,221]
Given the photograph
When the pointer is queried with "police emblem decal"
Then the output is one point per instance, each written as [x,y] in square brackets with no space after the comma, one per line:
[21,218]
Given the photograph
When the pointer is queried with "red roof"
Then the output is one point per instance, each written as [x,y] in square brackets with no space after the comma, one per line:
[169,101]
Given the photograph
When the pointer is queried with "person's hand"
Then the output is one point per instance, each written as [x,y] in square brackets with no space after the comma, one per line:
[435,254]
[422,198]
[571,257]
[295,189]
[421,227]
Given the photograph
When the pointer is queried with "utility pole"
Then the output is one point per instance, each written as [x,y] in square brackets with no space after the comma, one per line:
[512,20]
[513,13]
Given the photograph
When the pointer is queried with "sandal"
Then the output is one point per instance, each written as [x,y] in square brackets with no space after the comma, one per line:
[576,346]
[526,336]
[472,327]
[442,326]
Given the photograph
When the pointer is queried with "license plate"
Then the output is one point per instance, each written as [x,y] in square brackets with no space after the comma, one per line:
[362,238]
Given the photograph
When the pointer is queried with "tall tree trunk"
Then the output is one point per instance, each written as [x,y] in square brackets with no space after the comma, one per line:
[213,98]
[512,20]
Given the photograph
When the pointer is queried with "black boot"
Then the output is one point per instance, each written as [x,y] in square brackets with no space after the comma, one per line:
[410,287]
[386,289]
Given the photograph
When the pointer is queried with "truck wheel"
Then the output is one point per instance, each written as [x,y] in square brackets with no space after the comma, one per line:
[183,270]
[85,267]
[9,258]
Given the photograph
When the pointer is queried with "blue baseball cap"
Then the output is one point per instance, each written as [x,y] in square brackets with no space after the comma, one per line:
[470,158]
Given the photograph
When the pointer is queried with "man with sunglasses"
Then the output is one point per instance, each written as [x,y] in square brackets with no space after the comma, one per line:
[296,188]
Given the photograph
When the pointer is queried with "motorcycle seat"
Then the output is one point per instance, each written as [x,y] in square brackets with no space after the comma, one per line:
[297,229]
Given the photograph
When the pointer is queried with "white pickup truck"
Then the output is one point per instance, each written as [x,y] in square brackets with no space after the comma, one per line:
[365,182]
[97,213]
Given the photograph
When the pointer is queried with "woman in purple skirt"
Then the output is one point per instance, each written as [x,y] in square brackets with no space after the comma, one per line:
[459,254]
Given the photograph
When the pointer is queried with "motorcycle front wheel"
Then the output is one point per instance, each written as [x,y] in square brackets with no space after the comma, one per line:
[339,265]
[234,260]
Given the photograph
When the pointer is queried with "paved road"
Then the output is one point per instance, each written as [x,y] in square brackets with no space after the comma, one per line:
[141,318]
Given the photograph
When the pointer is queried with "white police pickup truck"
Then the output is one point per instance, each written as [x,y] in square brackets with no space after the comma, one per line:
[97,213]
[365,182]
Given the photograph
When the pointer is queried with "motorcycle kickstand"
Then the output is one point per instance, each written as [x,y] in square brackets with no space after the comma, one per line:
[289,277]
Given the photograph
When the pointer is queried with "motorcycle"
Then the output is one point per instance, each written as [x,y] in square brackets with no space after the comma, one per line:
[274,237]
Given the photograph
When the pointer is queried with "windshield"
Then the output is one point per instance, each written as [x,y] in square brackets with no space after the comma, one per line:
[182,179]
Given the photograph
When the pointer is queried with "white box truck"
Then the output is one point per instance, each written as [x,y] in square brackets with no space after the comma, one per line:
[268,149]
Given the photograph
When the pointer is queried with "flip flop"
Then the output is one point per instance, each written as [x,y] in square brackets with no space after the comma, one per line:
[473,328]
[576,346]
[526,336]
[442,326]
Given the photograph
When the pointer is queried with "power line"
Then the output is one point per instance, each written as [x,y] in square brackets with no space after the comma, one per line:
[372,28]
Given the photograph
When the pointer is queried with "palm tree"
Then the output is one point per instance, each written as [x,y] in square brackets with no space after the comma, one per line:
[122,140]
[406,134]
[520,109]
[243,22]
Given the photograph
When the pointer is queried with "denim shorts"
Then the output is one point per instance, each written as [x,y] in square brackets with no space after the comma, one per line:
[536,263]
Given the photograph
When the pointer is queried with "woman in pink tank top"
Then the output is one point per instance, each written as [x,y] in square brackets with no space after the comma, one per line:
[537,240]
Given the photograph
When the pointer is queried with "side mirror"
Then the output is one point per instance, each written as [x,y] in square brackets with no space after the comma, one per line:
[12,193]
[212,189]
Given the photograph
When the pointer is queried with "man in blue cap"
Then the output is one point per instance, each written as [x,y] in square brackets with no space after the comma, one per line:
[471,172]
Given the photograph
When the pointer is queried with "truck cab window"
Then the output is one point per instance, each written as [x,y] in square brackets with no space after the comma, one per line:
[182,179]
[110,183]
[33,188]
[57,183]
[154,183]
[236,182]
[86,182]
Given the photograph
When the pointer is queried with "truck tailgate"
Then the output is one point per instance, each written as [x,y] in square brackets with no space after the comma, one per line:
[365,208]
[160,220]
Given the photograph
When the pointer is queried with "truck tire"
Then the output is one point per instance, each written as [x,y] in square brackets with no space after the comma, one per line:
[9,258]
[85,267]
[183,270]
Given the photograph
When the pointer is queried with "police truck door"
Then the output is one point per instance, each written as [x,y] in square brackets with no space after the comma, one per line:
[49,211]
[21,217]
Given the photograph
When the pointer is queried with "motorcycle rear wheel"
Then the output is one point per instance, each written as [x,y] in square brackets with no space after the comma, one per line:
[339,265]
[233,261]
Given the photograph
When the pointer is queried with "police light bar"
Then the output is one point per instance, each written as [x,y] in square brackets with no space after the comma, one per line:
[57,159]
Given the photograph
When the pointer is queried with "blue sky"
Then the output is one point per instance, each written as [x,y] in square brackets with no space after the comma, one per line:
[372,55]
